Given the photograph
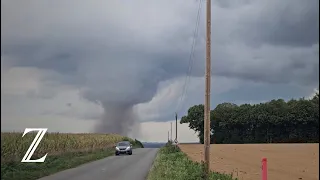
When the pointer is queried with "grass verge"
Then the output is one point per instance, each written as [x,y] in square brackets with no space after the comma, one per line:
[173,164]
[53,164]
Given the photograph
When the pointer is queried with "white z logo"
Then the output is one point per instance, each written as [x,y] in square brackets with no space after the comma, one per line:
[35,143]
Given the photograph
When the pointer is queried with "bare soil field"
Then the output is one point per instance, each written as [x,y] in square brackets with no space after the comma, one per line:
[285,161]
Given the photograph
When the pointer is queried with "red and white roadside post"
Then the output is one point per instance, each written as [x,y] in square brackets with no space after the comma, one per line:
[264,169]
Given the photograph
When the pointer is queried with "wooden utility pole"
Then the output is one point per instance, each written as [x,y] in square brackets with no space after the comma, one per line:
[207,95]
[176,140]
[171,131]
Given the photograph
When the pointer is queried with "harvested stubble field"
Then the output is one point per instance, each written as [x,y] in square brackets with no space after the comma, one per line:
[285,161]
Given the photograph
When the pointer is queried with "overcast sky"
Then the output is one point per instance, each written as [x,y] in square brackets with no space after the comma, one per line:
[103,66]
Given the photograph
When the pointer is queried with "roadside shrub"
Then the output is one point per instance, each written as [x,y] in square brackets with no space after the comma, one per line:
[138,143]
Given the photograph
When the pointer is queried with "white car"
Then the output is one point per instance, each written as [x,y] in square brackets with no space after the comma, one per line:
[123,147]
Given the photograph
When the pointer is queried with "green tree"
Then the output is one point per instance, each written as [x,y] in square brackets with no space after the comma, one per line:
[271,122]
[195,118]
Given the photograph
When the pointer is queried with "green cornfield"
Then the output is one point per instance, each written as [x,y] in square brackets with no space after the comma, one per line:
[14,146]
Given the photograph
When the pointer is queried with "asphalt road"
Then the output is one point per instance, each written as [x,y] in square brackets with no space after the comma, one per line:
[123,167]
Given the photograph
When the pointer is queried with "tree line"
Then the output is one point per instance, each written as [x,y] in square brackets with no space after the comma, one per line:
[276,121]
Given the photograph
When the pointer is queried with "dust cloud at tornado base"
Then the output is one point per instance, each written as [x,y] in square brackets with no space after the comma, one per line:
[118,119]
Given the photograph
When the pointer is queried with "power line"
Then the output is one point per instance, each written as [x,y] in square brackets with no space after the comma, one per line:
[191,58]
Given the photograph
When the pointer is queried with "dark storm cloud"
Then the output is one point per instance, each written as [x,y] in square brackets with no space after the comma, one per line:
[118,59]
[44,55]
[245,92]
[289,23]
